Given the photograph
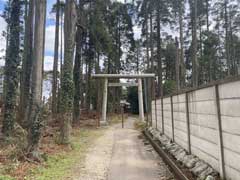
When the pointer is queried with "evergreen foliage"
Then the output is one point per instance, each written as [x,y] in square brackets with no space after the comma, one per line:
[186,43]
[11,75]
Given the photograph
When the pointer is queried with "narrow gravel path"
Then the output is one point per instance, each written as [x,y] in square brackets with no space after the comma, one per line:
[97,159]
[122,154]
[133,158]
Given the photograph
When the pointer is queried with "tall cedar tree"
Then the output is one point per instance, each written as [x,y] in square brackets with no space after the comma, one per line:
[35,107]
[67,86]
[26,65]
[77,71]
[11,68]
[55,63]
[195,64]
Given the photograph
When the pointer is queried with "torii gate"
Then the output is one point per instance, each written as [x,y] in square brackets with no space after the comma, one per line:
[139,77]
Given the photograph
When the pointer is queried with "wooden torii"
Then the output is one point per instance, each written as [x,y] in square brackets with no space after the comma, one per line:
[139,77]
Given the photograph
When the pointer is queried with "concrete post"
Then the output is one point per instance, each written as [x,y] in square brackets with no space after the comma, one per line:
[188,124]
[155,103]
[163,129]
[140,100]
[220,136]
[104,107]
[172,115]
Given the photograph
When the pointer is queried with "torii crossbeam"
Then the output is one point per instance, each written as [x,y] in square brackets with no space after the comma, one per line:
[139,77]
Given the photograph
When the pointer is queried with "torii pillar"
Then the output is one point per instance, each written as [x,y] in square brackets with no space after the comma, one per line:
[139,77]
[140,100]
[103,120]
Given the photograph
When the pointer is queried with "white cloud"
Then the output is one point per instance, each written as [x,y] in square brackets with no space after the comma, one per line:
[49,47]
[48,63]
[50,39]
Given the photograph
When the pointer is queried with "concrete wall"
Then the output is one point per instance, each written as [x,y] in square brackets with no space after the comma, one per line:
[156,112]
[167,117]
[153,115]
[180,120]
[203,125]
[159,115]
[206,122]
[230,117]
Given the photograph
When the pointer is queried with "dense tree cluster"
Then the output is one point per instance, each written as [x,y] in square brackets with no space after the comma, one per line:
[90,37]
[185,43]
[190,43]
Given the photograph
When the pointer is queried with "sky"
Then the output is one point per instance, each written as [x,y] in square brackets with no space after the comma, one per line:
[50,35]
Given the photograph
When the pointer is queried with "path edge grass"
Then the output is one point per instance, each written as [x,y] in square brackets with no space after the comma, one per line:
[60,165]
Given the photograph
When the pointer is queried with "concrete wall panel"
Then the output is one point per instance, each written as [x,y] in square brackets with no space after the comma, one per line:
[179,98]
[203,107]
[159,119]
[209,121]
[204,133]
[181,135]
[159,102]
[232,173]
[208,148]
[202,95]
[231,125]
[231,142]
[229,90]
[180,126]
[230,107]
[181,142]
[204,124]
[230,115]
[232,159]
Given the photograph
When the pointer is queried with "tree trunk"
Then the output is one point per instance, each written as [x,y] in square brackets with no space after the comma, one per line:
[26,67]
[182,64]
[77,75]
[11,69]
[151,41]
[150,84]
[177,64]
[36,83]
[98,89]
[194,45]
[202,76]
[227,45]
[61,61]
[207,15]
[67,86]
[88,78]
[55,64]
[147,43]
[159,71]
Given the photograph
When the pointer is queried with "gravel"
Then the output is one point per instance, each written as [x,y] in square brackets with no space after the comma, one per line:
[97,159]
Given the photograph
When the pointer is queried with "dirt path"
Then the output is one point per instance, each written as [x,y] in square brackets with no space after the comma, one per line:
[97,160]
[122,154]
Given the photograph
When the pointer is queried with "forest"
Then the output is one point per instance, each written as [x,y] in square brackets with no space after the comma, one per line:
[186,43]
